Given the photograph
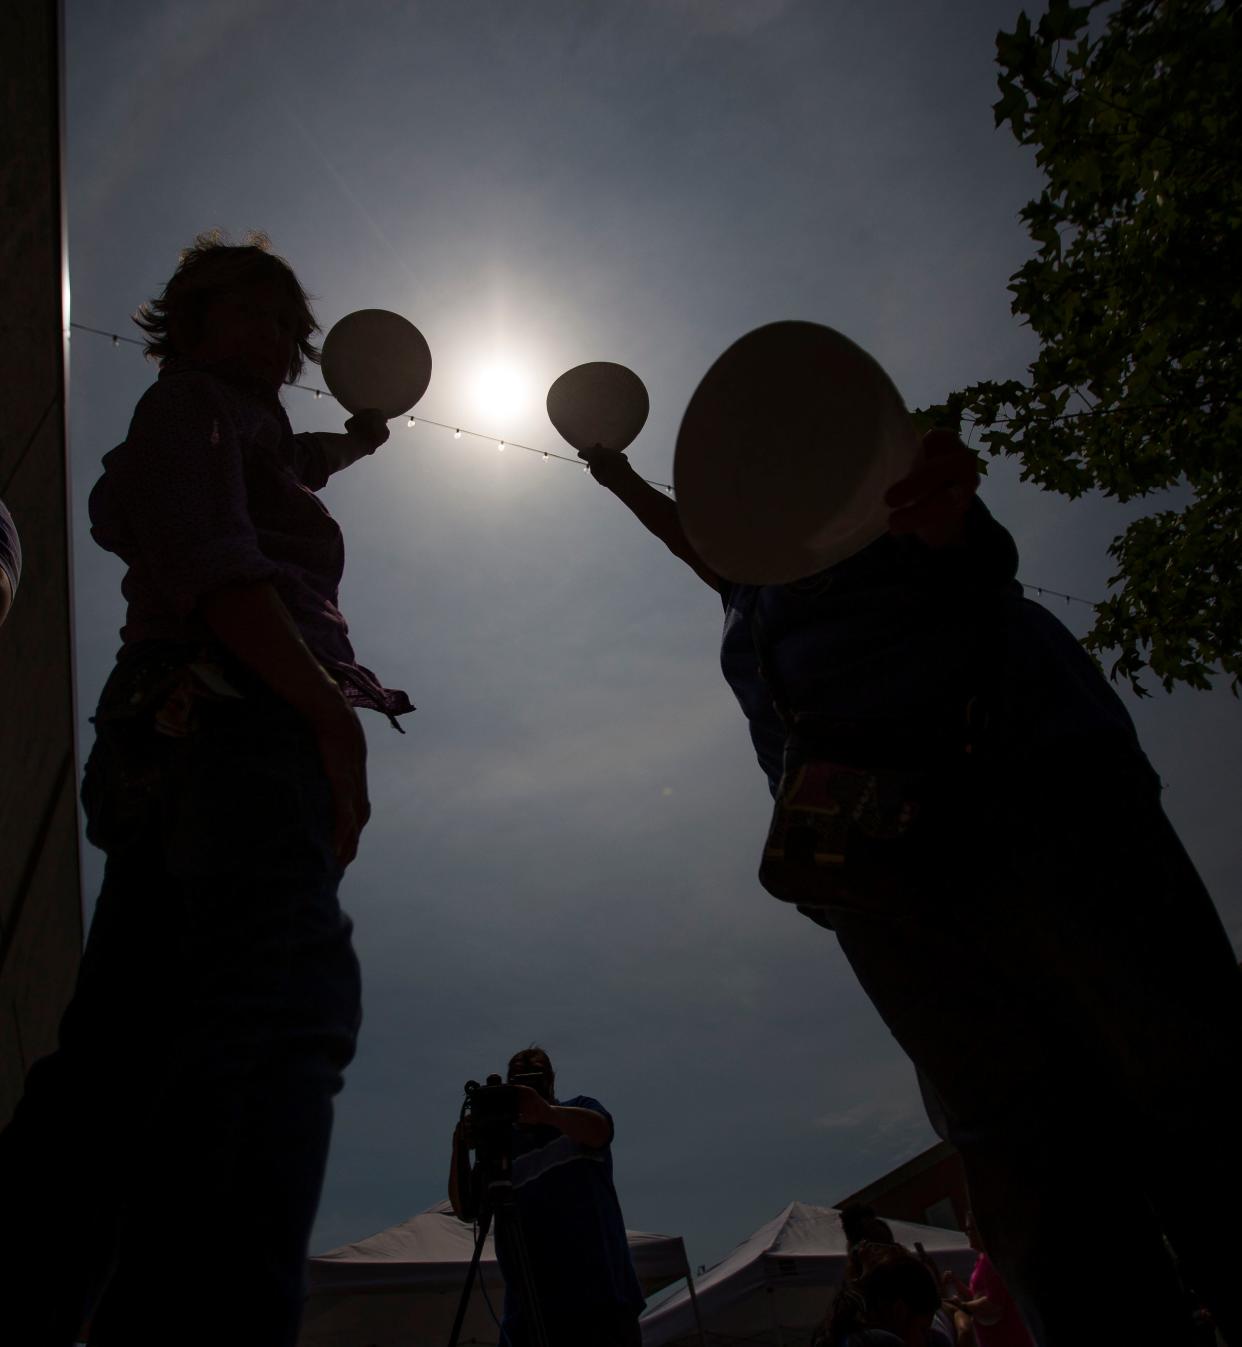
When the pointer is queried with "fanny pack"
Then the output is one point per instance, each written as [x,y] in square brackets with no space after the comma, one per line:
[849,802]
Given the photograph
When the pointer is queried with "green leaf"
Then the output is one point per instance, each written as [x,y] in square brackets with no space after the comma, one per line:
[1133,291]
[1062,20]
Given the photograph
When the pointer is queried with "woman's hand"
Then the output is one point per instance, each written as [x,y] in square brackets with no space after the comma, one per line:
[608,466]
[931,503]
[253,622]
[369,427]
[343,749]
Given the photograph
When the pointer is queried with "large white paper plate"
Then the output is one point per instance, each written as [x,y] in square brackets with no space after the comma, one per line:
[598,406]
[374,358]
[785,452]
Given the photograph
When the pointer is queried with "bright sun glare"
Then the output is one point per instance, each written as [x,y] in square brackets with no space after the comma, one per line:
[501,391]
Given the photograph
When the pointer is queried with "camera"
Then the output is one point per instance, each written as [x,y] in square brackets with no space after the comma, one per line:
[493,1110]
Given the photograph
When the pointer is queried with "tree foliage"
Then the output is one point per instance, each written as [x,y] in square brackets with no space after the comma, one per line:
[1135,294]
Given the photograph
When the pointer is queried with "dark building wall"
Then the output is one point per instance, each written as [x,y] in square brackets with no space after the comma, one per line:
[930,1189]
[40,896]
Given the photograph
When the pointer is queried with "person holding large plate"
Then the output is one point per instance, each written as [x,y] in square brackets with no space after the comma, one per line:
[963,799]
[189,1106]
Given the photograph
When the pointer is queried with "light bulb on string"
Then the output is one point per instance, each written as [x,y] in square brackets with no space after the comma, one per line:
[501,446]
[117,339]
[410,423]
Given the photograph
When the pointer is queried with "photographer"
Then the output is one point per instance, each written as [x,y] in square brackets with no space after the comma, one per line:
[571,1223]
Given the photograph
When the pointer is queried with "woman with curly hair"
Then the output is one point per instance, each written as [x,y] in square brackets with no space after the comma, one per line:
[889,1300]
[188,1108]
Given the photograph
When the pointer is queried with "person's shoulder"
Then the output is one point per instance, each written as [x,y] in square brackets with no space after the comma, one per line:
[590,1102]
[735,597]
[178,392]
[985,1278]
[585,1101]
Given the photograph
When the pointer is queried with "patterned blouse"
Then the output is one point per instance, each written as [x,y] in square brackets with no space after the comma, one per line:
[211,487]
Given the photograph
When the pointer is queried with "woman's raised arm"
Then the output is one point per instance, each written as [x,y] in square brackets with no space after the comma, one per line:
[655,511]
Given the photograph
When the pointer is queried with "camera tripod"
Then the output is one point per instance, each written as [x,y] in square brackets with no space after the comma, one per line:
[492,1174]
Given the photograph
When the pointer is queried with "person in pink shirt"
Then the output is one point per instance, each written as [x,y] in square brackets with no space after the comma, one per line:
[988,1302]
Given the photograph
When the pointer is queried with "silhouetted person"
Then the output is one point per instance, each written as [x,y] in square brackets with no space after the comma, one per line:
[583,1276]
[10,561]
[189,1106]
[861,1228]
[890,1300]
[1088,1035]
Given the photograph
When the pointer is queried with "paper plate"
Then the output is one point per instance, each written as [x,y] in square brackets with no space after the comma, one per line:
[374,358]
[785,452]
[598,406]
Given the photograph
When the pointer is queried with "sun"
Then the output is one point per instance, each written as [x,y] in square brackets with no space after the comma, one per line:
[501,391]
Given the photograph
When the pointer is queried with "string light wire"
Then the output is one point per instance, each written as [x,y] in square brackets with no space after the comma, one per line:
[458,431]
[411,421]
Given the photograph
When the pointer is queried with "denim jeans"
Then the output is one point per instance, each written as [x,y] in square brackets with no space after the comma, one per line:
[1053,965]
[162,1171]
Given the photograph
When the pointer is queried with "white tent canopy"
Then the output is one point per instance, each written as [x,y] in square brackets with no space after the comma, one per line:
[400,1288]
[775,1287]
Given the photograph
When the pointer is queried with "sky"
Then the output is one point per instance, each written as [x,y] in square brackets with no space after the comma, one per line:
[564,844]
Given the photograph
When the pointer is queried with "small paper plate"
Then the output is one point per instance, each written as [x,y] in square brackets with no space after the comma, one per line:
[598,406]
[374,358]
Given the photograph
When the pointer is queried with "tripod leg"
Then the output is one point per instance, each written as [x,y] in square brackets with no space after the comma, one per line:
[485,1220]
[512,1220]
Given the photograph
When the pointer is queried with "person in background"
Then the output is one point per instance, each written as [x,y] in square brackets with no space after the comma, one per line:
[10,561]
[987,1301]
[188,1107]
[861,1228]
[949,1324]
[890,1301]
[582,1273]
[1094,1021]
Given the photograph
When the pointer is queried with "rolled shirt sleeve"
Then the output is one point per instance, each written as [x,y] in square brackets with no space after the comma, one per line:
[173,501]
[317,454]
